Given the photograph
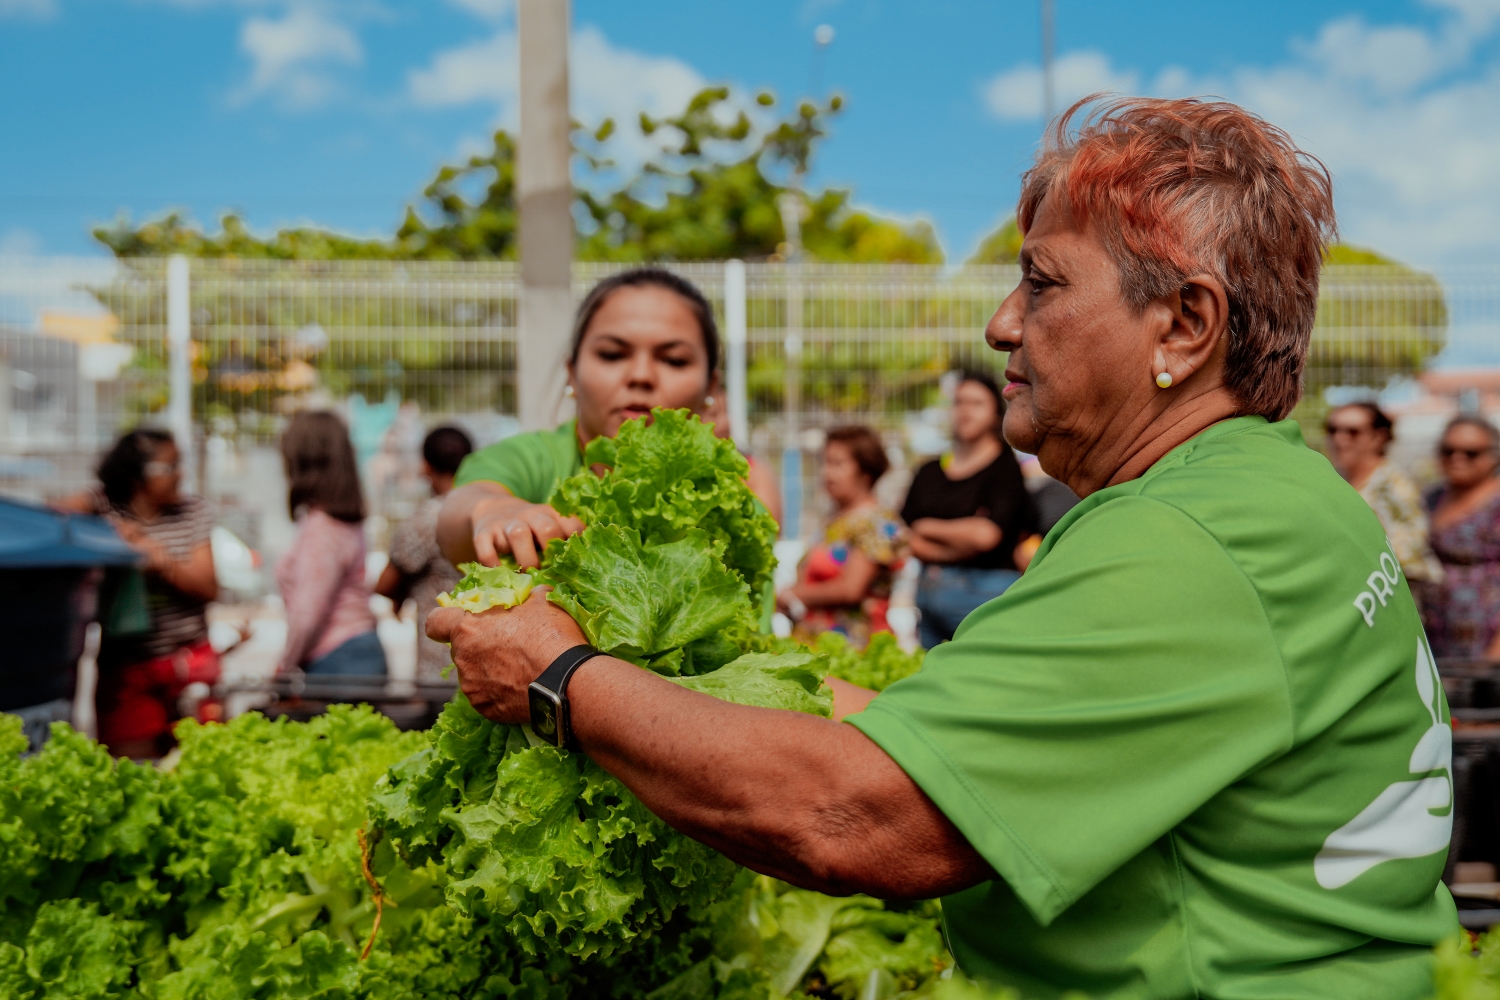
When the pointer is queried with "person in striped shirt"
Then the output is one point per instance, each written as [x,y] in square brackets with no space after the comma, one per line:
[142,674]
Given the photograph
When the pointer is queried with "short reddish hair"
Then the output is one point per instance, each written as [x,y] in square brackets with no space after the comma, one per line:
[1183,187]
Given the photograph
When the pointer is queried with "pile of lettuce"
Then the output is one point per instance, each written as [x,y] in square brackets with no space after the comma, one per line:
[235,875]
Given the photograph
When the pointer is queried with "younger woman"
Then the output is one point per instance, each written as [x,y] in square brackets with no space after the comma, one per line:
[329,626]
[644,338]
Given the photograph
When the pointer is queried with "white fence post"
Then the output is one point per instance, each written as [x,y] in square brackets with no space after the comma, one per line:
[180,369]
[734,361]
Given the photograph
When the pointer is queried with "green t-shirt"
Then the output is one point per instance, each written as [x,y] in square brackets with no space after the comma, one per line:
[1201,741]
[529,465]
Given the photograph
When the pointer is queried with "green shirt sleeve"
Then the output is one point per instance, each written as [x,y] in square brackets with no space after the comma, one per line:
[1127,678]
[529,465]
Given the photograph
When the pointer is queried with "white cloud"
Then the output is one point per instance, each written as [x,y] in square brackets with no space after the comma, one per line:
[606,82]
[1016,94]
[291,57]
[481,71]
[1401,115]
[618,83]
[27,8]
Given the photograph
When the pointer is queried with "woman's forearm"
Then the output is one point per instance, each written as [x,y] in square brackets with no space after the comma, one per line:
[194,575]
[958,538]
[801,798]
[929,551]
[834,593]
[849,587]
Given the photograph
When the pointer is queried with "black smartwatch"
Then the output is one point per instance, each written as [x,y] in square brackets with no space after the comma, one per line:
[548,697]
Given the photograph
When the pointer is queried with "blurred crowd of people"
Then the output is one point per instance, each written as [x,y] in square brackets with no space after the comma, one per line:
[972,519]
[1447,539]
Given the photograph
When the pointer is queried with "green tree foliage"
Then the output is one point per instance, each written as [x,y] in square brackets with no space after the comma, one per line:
[709,193]
[1003,246]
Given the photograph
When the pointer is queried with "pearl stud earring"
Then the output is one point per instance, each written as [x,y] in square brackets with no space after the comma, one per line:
[1164,380]
[567,390]
[708,401]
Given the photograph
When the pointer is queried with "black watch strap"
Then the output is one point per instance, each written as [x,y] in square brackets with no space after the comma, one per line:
[548,696]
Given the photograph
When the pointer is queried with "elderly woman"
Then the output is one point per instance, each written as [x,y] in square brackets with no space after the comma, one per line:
[1200,748]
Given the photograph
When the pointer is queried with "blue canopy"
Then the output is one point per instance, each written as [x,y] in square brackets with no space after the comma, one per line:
[32,536]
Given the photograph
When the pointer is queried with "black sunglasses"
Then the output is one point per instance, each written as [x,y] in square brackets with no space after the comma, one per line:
[1472,454]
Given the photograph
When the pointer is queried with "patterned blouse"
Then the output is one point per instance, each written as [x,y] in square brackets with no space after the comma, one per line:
[878,533]
[1398,505]
[1462,614]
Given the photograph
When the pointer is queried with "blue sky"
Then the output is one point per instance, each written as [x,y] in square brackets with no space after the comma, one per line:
[336,112]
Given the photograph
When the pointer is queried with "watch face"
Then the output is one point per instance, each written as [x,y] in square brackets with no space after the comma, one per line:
[544,707]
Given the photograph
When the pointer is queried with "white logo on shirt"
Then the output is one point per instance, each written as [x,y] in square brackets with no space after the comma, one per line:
[1382,587]
[1404,820]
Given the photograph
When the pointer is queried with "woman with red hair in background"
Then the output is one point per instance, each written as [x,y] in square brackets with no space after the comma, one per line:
[1200,749]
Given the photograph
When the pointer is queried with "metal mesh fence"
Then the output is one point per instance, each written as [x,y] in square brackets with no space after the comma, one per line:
[399,347]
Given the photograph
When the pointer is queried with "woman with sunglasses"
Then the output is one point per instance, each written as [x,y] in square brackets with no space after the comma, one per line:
[1463,616]
[143,674]
[1359,434]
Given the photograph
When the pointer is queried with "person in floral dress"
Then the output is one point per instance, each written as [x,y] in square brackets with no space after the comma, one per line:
[1463,617]
[844,583]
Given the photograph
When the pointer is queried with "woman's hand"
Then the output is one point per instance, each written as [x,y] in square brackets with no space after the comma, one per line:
[485,521]
[500,652]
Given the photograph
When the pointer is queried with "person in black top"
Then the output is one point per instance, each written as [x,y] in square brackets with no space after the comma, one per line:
[968,512]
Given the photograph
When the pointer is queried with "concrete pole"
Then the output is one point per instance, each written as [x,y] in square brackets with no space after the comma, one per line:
[544,190]
[790,203]
[734,362]
[180,369]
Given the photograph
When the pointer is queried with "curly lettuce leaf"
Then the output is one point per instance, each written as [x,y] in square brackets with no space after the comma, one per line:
[72,950]
[667,477]
[769,680]
[771,941]
[639,601]
[485,587]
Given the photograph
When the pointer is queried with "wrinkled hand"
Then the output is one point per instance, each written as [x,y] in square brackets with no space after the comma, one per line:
[500,652]
[507,524]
